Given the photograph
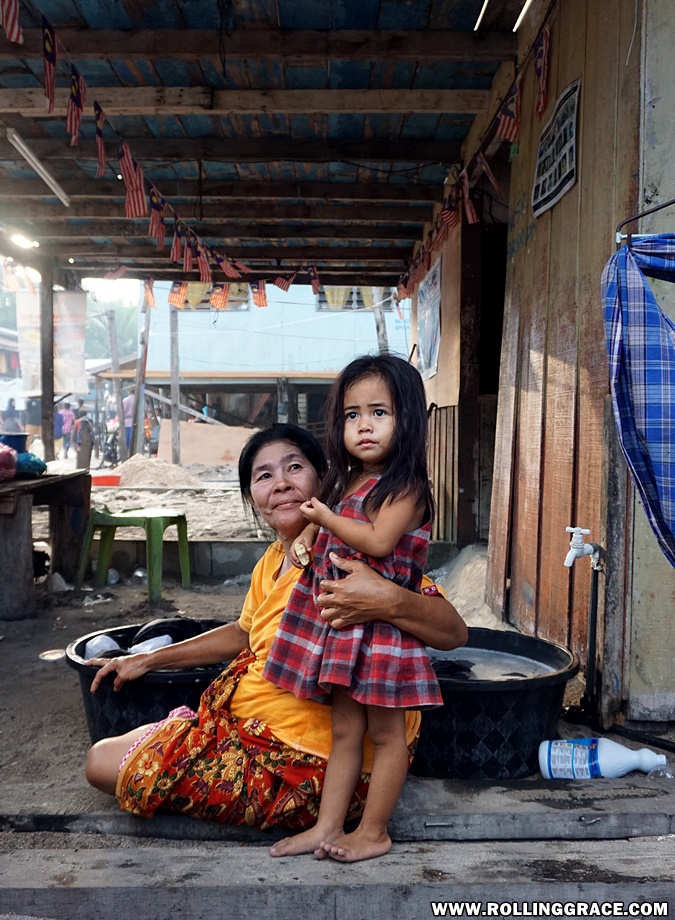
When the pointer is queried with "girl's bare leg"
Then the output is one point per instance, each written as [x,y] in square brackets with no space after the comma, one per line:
[348,720]
[390,767]
[104,759]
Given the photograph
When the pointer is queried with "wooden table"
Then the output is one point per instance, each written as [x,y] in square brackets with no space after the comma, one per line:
[68,497]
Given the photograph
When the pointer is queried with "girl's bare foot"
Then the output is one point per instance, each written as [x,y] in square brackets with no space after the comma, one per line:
[308,841]
[358,845]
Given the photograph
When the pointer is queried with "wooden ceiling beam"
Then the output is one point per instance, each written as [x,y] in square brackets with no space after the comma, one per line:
[130,230]
[344,278]
[294,46]
[200,100]
[245,254]
[111,210]
[210,188]
[234,150]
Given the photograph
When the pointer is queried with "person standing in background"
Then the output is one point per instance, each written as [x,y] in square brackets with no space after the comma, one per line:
[11,419]
[129,405]
[68,417]
[84,439]
[58,434]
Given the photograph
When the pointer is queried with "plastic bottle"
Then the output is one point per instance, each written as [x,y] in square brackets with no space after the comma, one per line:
[587,758]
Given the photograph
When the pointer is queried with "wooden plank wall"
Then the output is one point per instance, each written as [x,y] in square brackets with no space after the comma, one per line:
[443,471]
[549,440]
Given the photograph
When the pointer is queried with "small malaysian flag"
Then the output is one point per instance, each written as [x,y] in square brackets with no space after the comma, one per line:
[284,281]
[29,283]
[449,215]
[9,12]
[174,255]
[541,69]
[148,292]
[203,262]
[187,253]
[99,116]
[136,204]
[49,62]
[78,92]
[258,292]
[219,296]
[227,267]
[9,277]
[115,272]
[156,217]
[314,278]
[439,234]
[508,117]
[178,293]
[491,176]
[469,209]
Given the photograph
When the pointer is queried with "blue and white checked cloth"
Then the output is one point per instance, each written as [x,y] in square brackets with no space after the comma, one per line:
[641,352]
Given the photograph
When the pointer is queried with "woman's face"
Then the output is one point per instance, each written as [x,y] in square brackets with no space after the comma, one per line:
[282,478]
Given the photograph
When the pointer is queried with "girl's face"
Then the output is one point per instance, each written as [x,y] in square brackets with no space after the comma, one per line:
[282,478]
[369,422]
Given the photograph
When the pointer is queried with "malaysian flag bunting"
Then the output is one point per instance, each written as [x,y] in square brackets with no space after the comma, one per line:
[9,277]
[99,115]
[439,234]
[314,278]
[9,10]
[136,204]
[174,255]
[78,91]
[203,262]
[284,281]
[187,253]
[244,269]
[259,293]
[491,176]
[541,69]
[227,267]
[219,296]
[469,209]
[49,62]
[508,117]
[115,272]
[148,292]
[29,283]
[449,215]
[178,293]
[156,217]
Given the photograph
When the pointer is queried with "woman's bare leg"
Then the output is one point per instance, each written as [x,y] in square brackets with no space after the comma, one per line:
[348,720]
[390,767]
[104,759]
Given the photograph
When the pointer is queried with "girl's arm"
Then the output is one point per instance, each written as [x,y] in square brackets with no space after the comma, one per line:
[220,644]
[375,538]
[363,596]
[301,550]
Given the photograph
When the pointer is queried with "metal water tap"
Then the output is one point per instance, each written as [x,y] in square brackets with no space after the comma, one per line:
[578,547]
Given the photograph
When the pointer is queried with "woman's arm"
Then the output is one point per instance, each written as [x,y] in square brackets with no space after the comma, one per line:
[220,644]
[363,595]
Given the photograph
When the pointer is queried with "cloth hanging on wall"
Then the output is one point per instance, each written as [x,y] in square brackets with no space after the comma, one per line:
[641,351]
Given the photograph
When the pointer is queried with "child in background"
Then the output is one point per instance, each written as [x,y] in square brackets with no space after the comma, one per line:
[371,673]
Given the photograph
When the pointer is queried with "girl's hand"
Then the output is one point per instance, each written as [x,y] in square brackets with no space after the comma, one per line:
[301,550]
[316,512]
[128,667]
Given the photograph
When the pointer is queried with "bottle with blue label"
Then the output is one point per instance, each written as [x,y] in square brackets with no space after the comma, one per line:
[588,758]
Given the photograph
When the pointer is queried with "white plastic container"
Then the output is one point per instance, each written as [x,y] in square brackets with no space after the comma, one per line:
[588,758]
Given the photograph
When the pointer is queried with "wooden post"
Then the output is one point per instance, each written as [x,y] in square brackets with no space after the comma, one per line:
[117,386]
[17,584]
[380,324]
[47,357]
[138,433]
[175,386]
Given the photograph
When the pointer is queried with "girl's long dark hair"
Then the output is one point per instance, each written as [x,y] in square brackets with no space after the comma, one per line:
[405,472]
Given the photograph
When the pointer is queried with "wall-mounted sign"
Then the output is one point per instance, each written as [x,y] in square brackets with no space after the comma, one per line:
[556,169]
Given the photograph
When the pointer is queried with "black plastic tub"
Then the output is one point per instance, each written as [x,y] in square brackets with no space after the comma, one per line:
[148,699]
[491,728]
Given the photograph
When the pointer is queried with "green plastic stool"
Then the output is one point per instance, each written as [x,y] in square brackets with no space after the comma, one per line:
[154,521]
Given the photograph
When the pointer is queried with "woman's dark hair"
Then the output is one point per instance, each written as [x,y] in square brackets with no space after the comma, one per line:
[303,440]
[406,466]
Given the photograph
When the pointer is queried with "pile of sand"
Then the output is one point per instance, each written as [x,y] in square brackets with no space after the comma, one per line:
[142,471]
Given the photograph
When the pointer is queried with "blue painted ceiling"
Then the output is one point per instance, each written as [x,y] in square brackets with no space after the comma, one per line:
[310,174]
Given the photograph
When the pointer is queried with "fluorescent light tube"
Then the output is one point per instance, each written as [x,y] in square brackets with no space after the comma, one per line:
[522,15]
[39,168]
[480,15]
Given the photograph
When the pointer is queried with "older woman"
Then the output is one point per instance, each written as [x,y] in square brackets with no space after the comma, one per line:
[254,754]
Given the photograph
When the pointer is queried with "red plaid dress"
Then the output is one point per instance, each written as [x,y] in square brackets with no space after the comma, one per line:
[376,663]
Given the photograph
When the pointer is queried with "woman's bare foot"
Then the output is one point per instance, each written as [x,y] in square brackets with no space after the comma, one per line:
[357,845]
[308,841]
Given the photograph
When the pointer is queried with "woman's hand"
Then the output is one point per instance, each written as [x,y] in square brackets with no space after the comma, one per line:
[363,595]
[128,667]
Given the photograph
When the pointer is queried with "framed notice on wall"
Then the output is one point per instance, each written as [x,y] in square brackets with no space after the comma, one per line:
[429,321]
[556,169]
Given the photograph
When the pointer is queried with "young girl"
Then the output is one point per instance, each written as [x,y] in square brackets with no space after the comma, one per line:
[371,673]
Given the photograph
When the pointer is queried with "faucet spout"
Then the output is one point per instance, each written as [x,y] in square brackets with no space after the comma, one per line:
[570,557]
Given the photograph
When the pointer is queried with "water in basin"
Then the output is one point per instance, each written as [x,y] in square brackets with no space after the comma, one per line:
[487,664]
